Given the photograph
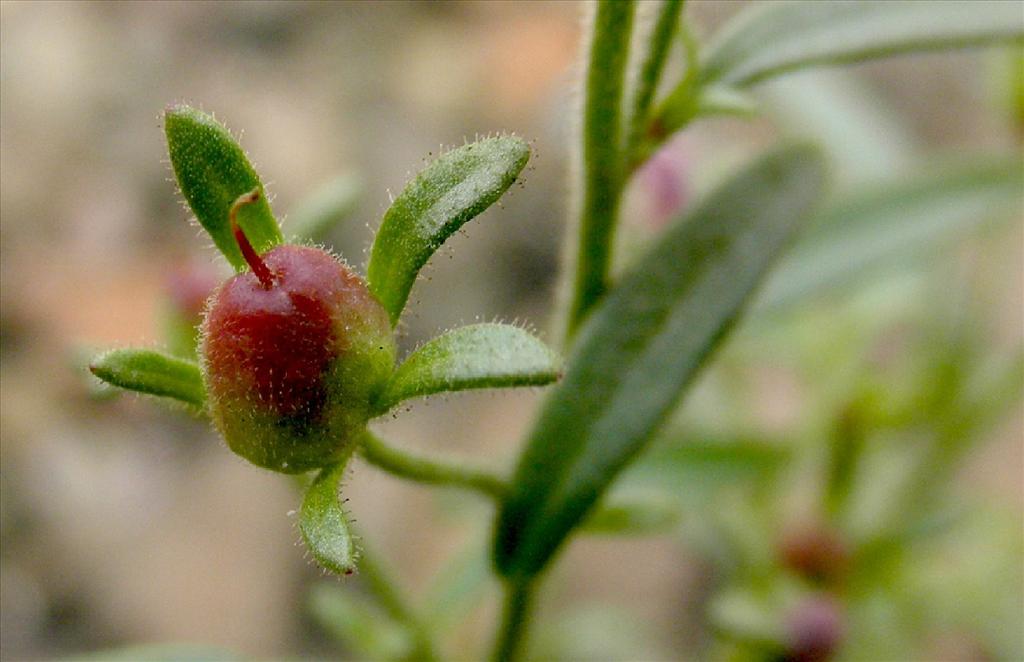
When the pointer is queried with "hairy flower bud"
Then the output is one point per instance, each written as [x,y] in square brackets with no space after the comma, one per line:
[292,353]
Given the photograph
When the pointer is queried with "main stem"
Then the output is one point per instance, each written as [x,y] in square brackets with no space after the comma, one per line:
[515,619]
[602,166]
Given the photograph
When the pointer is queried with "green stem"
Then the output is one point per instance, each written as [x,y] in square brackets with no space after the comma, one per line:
[515,619]
[380,583]
[650,72]
[400,462]
[602,163]
[679,107]
[452,473]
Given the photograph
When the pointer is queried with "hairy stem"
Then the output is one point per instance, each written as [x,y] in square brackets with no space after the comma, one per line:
[433,471]
[602,163]
[515,619]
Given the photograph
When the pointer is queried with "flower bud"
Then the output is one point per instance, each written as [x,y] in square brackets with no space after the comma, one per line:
[292,353]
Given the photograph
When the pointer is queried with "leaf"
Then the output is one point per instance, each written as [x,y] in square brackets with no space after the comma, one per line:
[324,523]
[212,172]
[638,515]
[777,37]
[441,199]
[328,205]
[643,345]
[360,625]
[866,230]
[478,356]
[684,463]
[152,372]
[459,588]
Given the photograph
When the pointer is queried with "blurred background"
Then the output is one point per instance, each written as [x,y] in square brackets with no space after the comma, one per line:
[124,521]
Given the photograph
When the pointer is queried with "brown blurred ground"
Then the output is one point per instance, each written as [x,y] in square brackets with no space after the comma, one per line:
[123,522]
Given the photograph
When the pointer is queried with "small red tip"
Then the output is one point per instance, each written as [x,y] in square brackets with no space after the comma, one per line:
[258,266]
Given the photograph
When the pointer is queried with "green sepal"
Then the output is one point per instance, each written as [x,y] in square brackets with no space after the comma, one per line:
[441,199]
[773,38]
[329,204]
[471,357]
[152,372]
[212,171]
[643,345]
[324,524]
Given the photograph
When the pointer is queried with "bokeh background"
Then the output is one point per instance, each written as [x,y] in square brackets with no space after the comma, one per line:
[124,521]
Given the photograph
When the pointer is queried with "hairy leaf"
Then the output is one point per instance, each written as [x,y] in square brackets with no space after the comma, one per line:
[324,523]
[441,199]
[478,356]
[212,171]
[775,37]
[152,372]
[643,345]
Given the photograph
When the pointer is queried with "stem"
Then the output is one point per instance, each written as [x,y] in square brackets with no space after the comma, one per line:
[376,451]
[679,107]
[650,72]
[515,620]
[258,266]
[379,582]
[602,165]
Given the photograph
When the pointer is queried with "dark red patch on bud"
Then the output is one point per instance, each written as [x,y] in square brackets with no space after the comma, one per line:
[281,340]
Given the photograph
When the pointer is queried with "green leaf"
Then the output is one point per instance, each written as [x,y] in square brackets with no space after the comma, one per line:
[872,228]
[459,588]
[478,356]
[327,206]
[777,37]
[638,515]
[324,523]
[360,625]
[212,171]
[684,463]
[642,347]
[441,199]
[152,372]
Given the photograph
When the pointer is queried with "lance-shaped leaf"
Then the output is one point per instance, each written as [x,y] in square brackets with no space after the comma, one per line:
[325,207]
[212,171]
[324,523]
[477,356]
[888,223]
[643,345]
[441,199]
[152,372]
[776,37]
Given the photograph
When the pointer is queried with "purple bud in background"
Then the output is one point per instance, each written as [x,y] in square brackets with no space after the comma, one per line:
[664,182]
[814,629]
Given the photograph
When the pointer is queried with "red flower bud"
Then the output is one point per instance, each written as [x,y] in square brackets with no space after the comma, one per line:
[292,354]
